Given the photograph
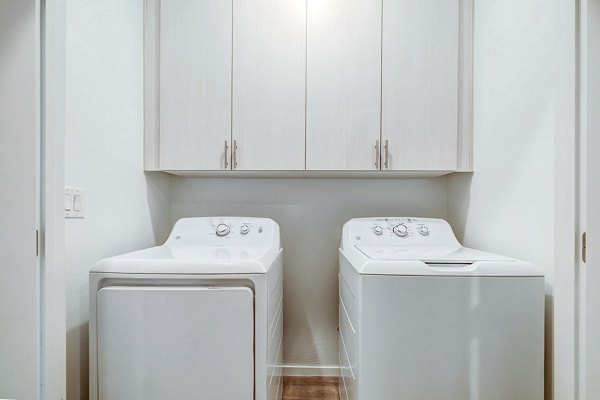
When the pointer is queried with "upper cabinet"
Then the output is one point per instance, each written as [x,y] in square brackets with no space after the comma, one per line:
[343,92]
[269,53]
[195,84]
[420,82]
[309,85]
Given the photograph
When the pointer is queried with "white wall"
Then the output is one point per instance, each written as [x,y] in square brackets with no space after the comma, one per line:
[310,213]
[508,205]
[124,208]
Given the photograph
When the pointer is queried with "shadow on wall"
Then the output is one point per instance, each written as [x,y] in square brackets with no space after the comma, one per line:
[78,361]
[459,200]
[159,204]
[548,347]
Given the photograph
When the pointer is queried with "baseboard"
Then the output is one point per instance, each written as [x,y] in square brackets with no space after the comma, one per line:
[311,370]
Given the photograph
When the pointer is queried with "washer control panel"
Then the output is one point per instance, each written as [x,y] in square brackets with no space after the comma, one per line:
[399,231]
[400,227]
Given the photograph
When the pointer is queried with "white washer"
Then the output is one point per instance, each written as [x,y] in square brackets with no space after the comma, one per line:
[422,317]
[199,317]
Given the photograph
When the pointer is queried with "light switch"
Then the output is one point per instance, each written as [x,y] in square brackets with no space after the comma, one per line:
[77,202]
[74,202]
[68,202]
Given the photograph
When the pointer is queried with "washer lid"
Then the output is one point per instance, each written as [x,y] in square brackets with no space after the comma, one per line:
[432,255]
[465,262]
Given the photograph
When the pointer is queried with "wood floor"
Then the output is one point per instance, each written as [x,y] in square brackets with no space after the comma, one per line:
[310,388]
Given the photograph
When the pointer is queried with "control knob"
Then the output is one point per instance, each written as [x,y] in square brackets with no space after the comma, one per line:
[378,230]
[401,230]
[423,230]
[244,229]
[223,230]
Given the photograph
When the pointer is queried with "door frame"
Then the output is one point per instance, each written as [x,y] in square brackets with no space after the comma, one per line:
[581,270]
[580,225]
[45,363]
[52,181]
[570,294]
[562,311]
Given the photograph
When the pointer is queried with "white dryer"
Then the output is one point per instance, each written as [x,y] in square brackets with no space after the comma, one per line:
[199,317]
[422,317]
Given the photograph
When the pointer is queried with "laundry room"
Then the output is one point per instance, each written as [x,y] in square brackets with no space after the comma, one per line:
[303,199]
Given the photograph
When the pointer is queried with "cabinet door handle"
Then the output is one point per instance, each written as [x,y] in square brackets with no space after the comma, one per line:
[377,156]
[226,155]
[234,160]
[387,155]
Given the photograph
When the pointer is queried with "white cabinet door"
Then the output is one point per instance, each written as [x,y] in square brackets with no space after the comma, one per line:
[184,343]
[19,199]
[269,53]
[195,83]
[343,84]
[420,84]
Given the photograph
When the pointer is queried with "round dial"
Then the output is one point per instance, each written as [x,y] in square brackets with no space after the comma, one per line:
[244,229]
[378,230]
[423,230]
[401,230]
[222,230]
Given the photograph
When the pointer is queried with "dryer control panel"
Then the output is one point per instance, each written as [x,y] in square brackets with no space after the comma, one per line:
[229,231]
[398,231]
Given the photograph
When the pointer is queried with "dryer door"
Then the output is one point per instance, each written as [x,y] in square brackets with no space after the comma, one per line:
[175,343]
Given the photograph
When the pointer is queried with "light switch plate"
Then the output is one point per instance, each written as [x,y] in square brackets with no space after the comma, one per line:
[74,202]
